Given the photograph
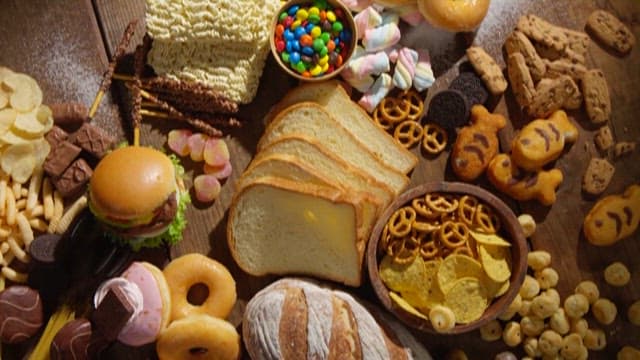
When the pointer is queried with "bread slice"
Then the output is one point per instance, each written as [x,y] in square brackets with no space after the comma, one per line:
[335,100]
[314,154]
[288,167]
[279,226]
[311,119]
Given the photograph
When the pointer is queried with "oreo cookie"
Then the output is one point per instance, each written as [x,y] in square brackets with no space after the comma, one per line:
[449,109]
[472,86]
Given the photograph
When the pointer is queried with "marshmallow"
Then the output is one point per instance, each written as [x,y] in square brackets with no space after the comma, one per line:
[372,64]
[367,19]
[362,84]
[357,5]
[405,68]
[376,93]
[381,37]
[359,51]
[410,14]
[390,17]
[424,77]
[392,53]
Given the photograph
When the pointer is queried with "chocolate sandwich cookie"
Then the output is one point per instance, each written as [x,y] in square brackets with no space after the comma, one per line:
[449,109]
[72,341]
[471,85]
[20,314]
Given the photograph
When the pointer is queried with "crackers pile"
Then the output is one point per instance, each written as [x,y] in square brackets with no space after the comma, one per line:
[443,255]
[222,44]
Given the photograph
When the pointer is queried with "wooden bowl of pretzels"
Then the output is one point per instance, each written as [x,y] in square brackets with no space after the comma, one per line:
[447,257]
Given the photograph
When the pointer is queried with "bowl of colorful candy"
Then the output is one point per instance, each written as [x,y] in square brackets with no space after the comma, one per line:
[312,40]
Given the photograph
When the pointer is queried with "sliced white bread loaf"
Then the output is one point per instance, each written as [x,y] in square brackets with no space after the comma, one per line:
[299,319]
[335,100]
[310,151]
[311,119]
[288,167]
[279,226]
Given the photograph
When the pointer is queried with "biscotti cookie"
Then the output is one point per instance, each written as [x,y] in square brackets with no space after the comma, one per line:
[488,70]
[543,32]
[610,31]
[521,80]
[624,148]
[517,42]
[551,54]
[597,176]
[554,94]
[604,138]
[577,45]
[564,67]
[596,96]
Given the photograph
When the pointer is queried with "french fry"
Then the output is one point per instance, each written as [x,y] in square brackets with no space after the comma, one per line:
[3,195]
[11,211]
[16,187]
[4,232]
[47,198]
[58,204]
[13,275]
[53,224]
[35,183]
[25,229]
[38,224]
[72,212]
[17,250]
[21,204]
[35,212]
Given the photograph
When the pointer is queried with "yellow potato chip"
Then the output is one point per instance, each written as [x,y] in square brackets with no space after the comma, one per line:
[402,277]
[425,298]
[7,118]
[455,267]
[467,298]
[489,239]
[494,261]
[495,289]
[404,305]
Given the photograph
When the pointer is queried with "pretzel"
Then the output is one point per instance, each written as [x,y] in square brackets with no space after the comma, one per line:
[420,206]
[408,133]
[441,203]
[486,220]
[425,227]
[453,234]
[385,238]
[382,122]
[414,102]
[429,250]
[467,209]
[409,251]
[394,110]
[434,138]
[401,221]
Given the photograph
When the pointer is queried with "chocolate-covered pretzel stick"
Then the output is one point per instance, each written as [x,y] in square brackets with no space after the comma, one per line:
[223,120]
[173,113]
[190,96]
[106,78]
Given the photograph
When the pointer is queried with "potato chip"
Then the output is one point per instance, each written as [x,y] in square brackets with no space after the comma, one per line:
[18,161]
[7,118]
[467,298]
[26,94]
[489,239]
[425,298]
[455,267]
[404,305]
[41,149]
[27,125]
[495,263]
[495,289]
[11,137]
[402,277]
[4,98]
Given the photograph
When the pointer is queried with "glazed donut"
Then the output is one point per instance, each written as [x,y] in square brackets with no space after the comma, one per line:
[454,15]
[189,270]
[146,289]
[199,337]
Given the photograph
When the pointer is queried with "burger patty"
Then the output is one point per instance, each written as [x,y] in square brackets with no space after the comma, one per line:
[164,215]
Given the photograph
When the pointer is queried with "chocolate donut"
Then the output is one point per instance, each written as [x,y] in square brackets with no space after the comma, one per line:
[20,314]
[72,341]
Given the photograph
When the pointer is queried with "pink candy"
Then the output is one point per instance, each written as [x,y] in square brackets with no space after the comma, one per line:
[405,68]
[381,37]
[376,93]
[367,19]
[372,64]
[357,5]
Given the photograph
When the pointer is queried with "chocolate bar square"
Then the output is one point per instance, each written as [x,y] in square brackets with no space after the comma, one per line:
[55,136]
[93,140]
[73,180]
[112,314]
[60,157]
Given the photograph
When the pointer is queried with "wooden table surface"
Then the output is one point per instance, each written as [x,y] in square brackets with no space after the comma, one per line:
[65,45]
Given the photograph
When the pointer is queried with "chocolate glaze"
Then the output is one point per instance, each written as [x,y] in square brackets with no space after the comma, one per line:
[72,341]
[617,219]
[544,136]
[20,313]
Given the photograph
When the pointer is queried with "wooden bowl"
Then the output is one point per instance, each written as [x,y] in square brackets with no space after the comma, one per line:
[510,227]
[350,24]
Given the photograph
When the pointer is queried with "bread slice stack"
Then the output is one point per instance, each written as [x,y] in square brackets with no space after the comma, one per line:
[309,199]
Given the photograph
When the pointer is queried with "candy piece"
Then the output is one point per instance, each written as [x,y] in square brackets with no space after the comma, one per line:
[114,310]
[367,19]
[390,17]
[381,37]
[207,188]
[20,314]
[405,68]
[178,141]
[357,5]
[73,179]
[69,115]
[216,152]
[376,93]
[220,172]
[72,341]
[372,64]
[196,146]
[362,84]
[60,157]
[424,77]
[55,136]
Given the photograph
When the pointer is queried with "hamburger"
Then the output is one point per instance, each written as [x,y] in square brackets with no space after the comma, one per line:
[138,194]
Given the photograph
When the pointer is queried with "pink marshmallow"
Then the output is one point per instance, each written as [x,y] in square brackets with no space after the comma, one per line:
[376,93]
[424,77]
[367,19]
[405,68]
[371,64]
[362,83]
[381,37]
